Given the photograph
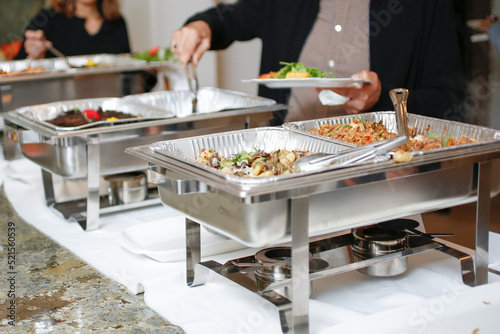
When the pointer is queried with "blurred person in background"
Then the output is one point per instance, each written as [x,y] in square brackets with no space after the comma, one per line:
[393,43]
[76,27]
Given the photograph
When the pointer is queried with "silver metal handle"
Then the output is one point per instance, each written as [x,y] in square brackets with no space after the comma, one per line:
[399,97]
[174,182]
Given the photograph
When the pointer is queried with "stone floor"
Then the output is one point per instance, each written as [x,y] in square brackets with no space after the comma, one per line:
[57,292]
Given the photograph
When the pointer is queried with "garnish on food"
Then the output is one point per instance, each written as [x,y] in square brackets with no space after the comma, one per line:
[296,71]
[155,53]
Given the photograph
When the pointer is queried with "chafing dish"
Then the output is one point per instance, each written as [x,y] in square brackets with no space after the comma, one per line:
[38,69]
[90,152]
[260,212]
[30,82]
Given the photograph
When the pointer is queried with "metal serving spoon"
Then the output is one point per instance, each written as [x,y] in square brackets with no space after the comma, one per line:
[316,161]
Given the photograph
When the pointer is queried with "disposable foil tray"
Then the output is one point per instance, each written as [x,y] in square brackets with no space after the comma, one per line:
[268,139]
[209,100]
[50,68]
[44,112]
[256,211]
[97,61]
[422,124]
[22,67]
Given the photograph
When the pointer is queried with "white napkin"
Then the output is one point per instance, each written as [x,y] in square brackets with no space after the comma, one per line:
[330,98]
[494,251]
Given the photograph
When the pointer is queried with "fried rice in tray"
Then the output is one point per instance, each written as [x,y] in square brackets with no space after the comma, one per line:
[362,132]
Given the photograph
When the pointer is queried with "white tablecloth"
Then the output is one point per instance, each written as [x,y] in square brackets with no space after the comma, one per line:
[426,299]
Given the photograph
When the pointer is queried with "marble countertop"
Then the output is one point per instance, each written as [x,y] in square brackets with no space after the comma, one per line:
[57,292]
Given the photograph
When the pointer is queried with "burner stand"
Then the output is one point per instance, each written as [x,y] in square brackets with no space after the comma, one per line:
[269,275]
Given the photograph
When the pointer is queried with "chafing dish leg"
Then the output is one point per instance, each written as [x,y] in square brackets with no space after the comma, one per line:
[483,221]
[93,180]
[195,273]
[48,188]
[466,263]
[299,216]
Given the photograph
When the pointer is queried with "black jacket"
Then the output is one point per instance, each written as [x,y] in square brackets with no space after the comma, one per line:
[413,45]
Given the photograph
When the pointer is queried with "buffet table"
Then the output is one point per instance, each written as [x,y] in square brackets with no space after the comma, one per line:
[430,297]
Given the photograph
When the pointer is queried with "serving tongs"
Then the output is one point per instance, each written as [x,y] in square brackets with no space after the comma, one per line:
[192,77]
[316,161]
[52,49]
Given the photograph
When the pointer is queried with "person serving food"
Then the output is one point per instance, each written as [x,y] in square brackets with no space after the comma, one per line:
[388,43]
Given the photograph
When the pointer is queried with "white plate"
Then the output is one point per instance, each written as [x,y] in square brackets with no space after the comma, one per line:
[165,240]
[310,82]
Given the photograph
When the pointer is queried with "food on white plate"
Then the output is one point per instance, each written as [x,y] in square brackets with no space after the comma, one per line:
[296,71]
[155,53]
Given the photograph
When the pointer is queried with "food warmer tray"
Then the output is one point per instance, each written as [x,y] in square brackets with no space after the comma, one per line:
[422,124]
[88,153]
[260,212]
[254,210]
[267,211]
[19,70]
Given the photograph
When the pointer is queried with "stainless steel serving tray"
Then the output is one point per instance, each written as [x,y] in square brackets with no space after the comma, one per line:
[63,151]
[256,212]
[209,100]
[69,66]
[422,124]
[45,112]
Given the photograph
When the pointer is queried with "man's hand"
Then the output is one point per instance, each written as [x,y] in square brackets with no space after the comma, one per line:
[191,41]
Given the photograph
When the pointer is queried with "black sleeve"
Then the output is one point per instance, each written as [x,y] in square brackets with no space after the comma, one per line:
[233,22]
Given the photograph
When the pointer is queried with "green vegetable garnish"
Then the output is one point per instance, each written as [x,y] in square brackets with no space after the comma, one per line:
[313,72]
[446,139]
[433,136]
[360,120]
[164,54]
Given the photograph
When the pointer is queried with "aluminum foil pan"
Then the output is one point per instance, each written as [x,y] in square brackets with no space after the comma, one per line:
[102,60]
[209,100]
[44,112]
[422,124]
[227,143]
[22,67]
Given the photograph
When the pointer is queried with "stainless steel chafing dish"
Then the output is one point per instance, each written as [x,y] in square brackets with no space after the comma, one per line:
[90,152]
[260,212]
[58,79]
[63,79]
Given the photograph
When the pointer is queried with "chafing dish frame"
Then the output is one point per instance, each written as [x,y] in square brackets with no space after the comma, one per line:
[297,193]
[337,249]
